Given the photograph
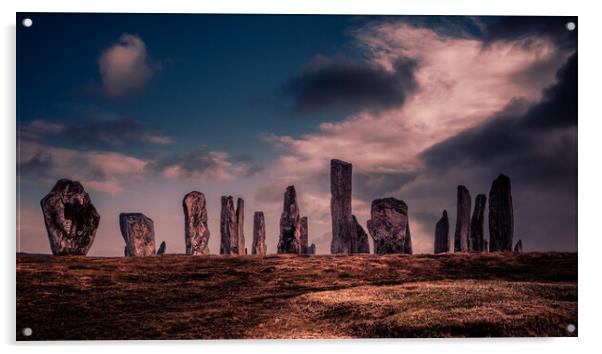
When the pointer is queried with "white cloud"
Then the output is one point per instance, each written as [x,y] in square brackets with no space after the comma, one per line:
[125,67]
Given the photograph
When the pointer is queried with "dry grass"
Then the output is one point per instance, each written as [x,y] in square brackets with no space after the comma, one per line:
[203,297]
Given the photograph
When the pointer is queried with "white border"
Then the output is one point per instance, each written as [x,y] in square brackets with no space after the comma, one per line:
[590,176]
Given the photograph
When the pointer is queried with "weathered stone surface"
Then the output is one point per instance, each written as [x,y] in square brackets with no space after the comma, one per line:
[304,235]
[388,225]
[462,220]
[477,232]
[240,225]
[228,227]
[486,246]
[442,234]
[259,246]
[196,232]
[501,219]
[311,249]
[519,246]
[407,243]
[290,224]
[138,232]
[162,249]
[70,218]
[361,244]
[343,232]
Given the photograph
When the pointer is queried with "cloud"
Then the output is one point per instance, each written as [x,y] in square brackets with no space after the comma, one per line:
[110,172]
[90,133]
[37,128]
[327,84]
[201,165]
[125,67]
[537,147]
[204,165]
[370,184]
[461,82]
[509,134]
[99,170]
[513,28]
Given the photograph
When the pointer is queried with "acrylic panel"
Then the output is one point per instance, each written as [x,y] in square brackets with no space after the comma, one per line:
[204,176]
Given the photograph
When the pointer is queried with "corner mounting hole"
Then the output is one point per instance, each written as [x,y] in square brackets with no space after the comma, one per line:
[27,22]
[571,26]
[571,328]
[27,331]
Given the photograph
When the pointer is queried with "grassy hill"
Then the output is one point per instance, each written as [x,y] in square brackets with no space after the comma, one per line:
[286,296]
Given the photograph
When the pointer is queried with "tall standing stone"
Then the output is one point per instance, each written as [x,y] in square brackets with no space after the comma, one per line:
[501,219]
[462,220]
[290,224]
[519,246]
[407,243]
[259,246]
[70,218]
[388,225]
[240,225]
[343,232]
[228,227]
[442,234]
[486,246]
[196,232]
[361,244]
[304,235]
[138,232]
[477,224]
[162,249]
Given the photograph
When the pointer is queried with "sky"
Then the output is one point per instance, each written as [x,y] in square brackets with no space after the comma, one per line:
[144,108]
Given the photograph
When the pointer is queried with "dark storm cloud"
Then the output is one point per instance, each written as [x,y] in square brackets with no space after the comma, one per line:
[516,27]
[514,135]
[349,84]
[536,147]
[369,186]
[116,132]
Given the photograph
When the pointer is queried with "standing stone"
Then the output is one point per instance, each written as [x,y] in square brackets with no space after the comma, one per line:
[70,218]
[340,207]
[290,224]
[388,225]
[228,227]
[519,246]
[259,246]
[407,243]
[442,234]
[486,246]
[162,249]
[462,220]
[361,244]
[240,225]
[476,225]
[304,235]
[501,219]
[311,249]
[196,232]
[138,232]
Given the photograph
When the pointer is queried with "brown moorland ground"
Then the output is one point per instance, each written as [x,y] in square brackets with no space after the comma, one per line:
[288,296]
